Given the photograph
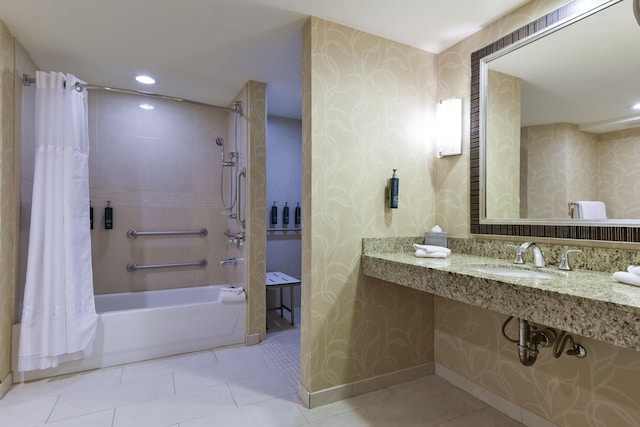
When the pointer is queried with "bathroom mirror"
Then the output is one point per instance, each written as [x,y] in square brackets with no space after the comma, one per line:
[551,125]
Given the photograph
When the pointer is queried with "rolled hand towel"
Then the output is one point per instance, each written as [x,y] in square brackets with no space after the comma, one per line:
[431,248]
[421,253]
[635,269]
[628,278]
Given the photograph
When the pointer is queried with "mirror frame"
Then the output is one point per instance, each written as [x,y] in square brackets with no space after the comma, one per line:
[528,227]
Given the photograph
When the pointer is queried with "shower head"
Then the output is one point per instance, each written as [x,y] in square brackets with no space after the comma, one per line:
[219,142]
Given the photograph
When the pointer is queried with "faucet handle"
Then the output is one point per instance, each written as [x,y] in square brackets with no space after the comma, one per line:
[564,261]
[518,259]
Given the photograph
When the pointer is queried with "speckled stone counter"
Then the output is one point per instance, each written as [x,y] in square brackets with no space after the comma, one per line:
[588,303]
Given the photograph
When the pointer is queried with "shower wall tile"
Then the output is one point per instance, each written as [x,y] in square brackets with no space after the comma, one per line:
[160,169]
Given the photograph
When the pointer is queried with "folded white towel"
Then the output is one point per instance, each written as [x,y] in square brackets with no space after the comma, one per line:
[432,248]
[635,269]
[591,210]
[231,297]
[628,278]
[421,253]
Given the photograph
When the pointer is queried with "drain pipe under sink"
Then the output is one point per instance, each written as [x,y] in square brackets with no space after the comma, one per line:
[527,351]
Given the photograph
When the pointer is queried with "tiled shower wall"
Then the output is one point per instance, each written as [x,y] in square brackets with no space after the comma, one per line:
[161,170]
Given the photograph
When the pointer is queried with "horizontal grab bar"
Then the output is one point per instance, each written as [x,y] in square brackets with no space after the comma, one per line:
[132,234]
[133,266]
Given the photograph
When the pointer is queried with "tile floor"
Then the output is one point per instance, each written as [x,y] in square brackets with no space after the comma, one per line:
[240,386]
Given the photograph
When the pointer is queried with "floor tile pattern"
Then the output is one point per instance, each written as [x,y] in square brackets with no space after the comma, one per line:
[238,386]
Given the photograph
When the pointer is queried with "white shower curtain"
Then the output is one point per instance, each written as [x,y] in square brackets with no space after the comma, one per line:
[58,315]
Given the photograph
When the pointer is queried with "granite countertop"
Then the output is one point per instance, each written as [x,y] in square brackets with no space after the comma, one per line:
[591,304]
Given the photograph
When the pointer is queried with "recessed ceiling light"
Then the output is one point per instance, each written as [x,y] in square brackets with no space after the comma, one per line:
[635,106]
[147,80]
[146,106]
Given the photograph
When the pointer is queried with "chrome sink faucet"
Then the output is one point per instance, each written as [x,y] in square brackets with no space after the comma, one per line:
[538,255]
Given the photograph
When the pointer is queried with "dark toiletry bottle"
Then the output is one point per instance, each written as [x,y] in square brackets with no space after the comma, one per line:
[394,186]
[296,215]
[274,214]
[108,216]
[90,215]
[285,214]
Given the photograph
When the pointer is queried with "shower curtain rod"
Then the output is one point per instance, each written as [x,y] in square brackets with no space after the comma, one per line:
[27,80]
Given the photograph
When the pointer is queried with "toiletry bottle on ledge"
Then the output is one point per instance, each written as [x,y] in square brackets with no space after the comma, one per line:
[108,216]
[296,215]
[274,214]
[285,214]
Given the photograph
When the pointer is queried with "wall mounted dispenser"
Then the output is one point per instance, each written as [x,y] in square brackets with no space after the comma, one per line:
[296,215]
[394,187]
[108,216]
[274,214]
[285,214]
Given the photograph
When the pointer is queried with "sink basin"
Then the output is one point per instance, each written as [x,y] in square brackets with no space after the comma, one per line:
[515,272]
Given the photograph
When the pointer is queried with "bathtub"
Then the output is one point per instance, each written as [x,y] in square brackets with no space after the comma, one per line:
[137,326]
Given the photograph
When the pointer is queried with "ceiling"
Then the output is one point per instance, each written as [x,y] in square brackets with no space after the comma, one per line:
[206,50]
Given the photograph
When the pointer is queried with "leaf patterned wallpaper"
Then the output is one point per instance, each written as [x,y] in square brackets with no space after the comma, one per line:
[368,107]
[561,168]
[355,327]
[618,173]
[8,198]
[503,153]
[601,390]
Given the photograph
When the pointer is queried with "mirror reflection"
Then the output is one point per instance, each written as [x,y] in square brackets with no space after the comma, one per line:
[561,138]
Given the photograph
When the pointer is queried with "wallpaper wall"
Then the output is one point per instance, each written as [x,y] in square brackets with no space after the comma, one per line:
[618,173]
[454,76]
[561,168]
[8,198]
[368,107]
[599,390]
[566,164]
[503,152]
[254,98]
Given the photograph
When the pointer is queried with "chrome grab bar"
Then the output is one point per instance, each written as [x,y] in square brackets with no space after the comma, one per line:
[241,221]
[133,266]
[132,234]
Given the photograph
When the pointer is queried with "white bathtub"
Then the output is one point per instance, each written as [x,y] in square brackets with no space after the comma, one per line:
[138,326]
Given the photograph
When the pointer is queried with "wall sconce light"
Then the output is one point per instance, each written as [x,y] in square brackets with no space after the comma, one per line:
[449,127]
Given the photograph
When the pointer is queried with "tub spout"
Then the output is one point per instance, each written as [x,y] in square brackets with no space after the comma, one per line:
[229,261]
